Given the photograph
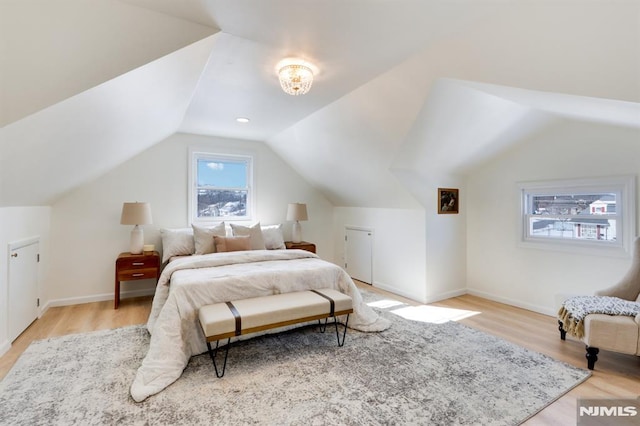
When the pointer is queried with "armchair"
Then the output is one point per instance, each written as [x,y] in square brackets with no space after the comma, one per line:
[617,333]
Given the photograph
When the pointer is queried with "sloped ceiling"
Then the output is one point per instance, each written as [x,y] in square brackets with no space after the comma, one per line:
[82,137]
[403,86]
[54,49]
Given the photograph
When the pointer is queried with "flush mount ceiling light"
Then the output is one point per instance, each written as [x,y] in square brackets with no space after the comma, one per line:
[295,78]
[242,120]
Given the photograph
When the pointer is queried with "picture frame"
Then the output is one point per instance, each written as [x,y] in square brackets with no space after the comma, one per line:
[448,201]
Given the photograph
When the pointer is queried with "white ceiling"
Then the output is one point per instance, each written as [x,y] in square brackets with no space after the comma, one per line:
[348,41]
[378,64]
[351,42]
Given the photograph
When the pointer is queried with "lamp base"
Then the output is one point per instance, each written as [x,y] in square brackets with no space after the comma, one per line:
[137,240]
[296,235]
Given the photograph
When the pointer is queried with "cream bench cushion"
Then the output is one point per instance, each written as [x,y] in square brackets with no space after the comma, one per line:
[267,312]
[229,319]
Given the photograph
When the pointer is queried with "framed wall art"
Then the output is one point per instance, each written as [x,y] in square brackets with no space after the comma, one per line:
[448,201]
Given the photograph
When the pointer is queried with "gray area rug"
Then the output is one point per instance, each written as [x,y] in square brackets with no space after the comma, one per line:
[414,373]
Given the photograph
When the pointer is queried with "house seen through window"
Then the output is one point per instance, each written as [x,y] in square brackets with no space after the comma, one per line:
[596,212]
[577,216]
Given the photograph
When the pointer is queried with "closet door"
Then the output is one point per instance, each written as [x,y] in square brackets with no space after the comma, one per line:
[359,253]
[23,286]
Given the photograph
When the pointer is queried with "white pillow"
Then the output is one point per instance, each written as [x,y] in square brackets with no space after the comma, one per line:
[273,237]
[176,242]
[203,237]
[255,232]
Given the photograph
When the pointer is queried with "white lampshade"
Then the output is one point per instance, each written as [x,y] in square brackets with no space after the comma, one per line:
[297,212]
[136,214]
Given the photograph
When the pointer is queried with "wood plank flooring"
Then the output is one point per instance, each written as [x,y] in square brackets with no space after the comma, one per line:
[615,376]
[77,319]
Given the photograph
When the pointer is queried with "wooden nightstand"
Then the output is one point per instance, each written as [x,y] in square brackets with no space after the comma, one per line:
[131,267]
[302,245]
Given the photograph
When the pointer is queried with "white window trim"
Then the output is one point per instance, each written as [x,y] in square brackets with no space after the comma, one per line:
[194,156]
[624,186]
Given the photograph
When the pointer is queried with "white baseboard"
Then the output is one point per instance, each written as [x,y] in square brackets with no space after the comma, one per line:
[535,308]
[462,291]
[4,348]
[394,290]
[447,295]
[96,298]
[429,299]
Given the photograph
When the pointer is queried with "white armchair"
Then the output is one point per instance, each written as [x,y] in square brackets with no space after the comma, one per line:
[615,333]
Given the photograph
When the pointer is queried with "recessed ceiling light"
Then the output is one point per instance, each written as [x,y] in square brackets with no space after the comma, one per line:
[242,120]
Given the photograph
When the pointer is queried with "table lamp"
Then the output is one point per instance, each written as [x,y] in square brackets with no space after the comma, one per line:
[297,212]
[136,214]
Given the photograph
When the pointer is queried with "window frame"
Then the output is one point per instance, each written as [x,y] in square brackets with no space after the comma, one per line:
[196,155]
[623,186]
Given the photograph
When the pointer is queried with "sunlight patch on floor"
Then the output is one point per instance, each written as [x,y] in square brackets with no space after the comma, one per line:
[385,304]
[433,314]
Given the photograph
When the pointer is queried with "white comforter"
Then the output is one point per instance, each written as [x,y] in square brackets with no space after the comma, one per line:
[187,284]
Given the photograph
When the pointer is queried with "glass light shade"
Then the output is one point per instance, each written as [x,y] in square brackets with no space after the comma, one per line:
[295,79]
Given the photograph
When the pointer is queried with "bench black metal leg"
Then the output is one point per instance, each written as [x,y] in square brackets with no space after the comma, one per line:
[344,333]
[323,327]
[214,353]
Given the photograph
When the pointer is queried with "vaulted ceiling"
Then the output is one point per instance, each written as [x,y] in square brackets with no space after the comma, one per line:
[402,85]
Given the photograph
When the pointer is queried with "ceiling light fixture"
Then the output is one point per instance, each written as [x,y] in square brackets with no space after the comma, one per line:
[295,78]
[242,120]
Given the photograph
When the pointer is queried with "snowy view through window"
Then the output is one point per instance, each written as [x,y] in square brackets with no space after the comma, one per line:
[222,188]
[574,216]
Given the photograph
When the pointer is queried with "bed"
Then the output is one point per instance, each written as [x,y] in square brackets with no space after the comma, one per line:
[188,283]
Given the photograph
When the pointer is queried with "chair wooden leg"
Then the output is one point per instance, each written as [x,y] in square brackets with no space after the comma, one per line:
[592,357]
[563,333]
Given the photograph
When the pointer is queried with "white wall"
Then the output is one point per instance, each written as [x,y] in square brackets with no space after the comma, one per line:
[87,236]
[16,224]
[398,246]
[497,267]
[446,241]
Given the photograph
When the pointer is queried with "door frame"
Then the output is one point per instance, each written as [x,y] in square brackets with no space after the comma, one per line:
[365,229]
[16,245]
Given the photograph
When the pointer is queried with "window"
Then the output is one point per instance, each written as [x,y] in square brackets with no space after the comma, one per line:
[220,187]
[595,215]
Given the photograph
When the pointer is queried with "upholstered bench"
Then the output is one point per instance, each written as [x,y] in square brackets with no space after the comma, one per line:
[228,319]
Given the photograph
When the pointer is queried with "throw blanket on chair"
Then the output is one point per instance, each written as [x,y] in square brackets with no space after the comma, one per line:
[575,309]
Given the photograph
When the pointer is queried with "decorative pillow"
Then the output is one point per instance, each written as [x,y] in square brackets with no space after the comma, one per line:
[273,237]
[224,244]
[203,237]
[176,242]
[255,232]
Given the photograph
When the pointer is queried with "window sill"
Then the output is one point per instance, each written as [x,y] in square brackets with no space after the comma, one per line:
[577,247]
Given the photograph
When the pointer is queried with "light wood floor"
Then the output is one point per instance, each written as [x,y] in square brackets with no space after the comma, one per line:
[615,375]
